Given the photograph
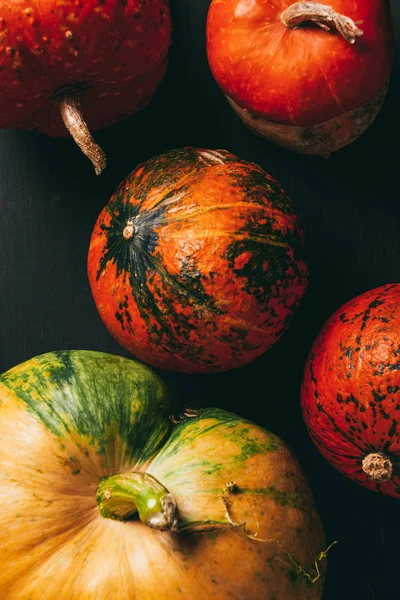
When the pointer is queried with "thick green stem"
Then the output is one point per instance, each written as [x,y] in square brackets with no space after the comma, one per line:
[121,496]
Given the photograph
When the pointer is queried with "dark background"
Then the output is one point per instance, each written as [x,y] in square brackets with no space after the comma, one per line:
[50,199]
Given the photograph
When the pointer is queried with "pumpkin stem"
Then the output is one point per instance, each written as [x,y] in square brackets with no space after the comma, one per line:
[68,100]
[377,466]
[323,16]
[121,496]
[129,230]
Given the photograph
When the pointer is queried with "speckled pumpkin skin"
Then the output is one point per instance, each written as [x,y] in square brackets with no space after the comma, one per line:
[351,390]
[115,51]
[214,270]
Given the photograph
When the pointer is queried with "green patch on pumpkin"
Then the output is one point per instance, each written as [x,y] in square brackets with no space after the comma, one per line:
[98,398]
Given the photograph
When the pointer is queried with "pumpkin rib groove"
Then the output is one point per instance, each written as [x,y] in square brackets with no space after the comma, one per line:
[167,201]
[241,322]
[337,453]
[321,409]
[181,184]
[265,239]
[217,207]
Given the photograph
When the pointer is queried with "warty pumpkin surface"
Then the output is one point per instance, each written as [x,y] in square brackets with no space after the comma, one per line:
[196,263]
[351,390]
[102,58]
[88,438]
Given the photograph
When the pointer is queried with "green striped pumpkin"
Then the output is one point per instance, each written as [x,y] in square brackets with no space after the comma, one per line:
[107,494]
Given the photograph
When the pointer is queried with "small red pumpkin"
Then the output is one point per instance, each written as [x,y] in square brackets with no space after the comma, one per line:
[101,58]
[196,263]
[351,391]
[308,76]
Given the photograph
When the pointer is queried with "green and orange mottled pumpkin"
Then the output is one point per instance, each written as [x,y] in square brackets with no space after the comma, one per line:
[196,262]
[104,496]
[351,390]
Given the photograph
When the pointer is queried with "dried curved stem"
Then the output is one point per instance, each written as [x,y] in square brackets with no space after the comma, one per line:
[323,16]
[69,103]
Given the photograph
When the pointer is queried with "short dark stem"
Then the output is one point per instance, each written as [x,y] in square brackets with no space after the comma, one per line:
[377,466]
[68,100]
[129,230]
[323,16]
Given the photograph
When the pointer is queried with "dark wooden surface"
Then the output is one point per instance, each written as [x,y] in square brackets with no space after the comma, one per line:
[50,199]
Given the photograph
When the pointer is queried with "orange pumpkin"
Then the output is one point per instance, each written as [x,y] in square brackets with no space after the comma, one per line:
[196,262]
[64,61]
[309,76]
[351,390]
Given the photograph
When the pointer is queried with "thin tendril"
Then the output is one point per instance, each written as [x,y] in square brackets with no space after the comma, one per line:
[232,487]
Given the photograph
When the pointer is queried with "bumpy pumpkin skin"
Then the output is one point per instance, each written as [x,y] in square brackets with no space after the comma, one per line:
[68,419]
[214,269]
[114,51]
[351,390]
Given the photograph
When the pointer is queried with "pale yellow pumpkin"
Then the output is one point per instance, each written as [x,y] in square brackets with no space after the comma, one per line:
[85,436]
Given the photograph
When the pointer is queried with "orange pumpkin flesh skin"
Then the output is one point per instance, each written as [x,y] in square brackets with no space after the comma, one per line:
[351,390]
[196,262]
[104,59]
[309,76]
[78,428]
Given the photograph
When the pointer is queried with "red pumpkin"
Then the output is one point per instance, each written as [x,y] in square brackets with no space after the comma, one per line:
[196,263]
[351,390]
[309,76]
[105,58]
